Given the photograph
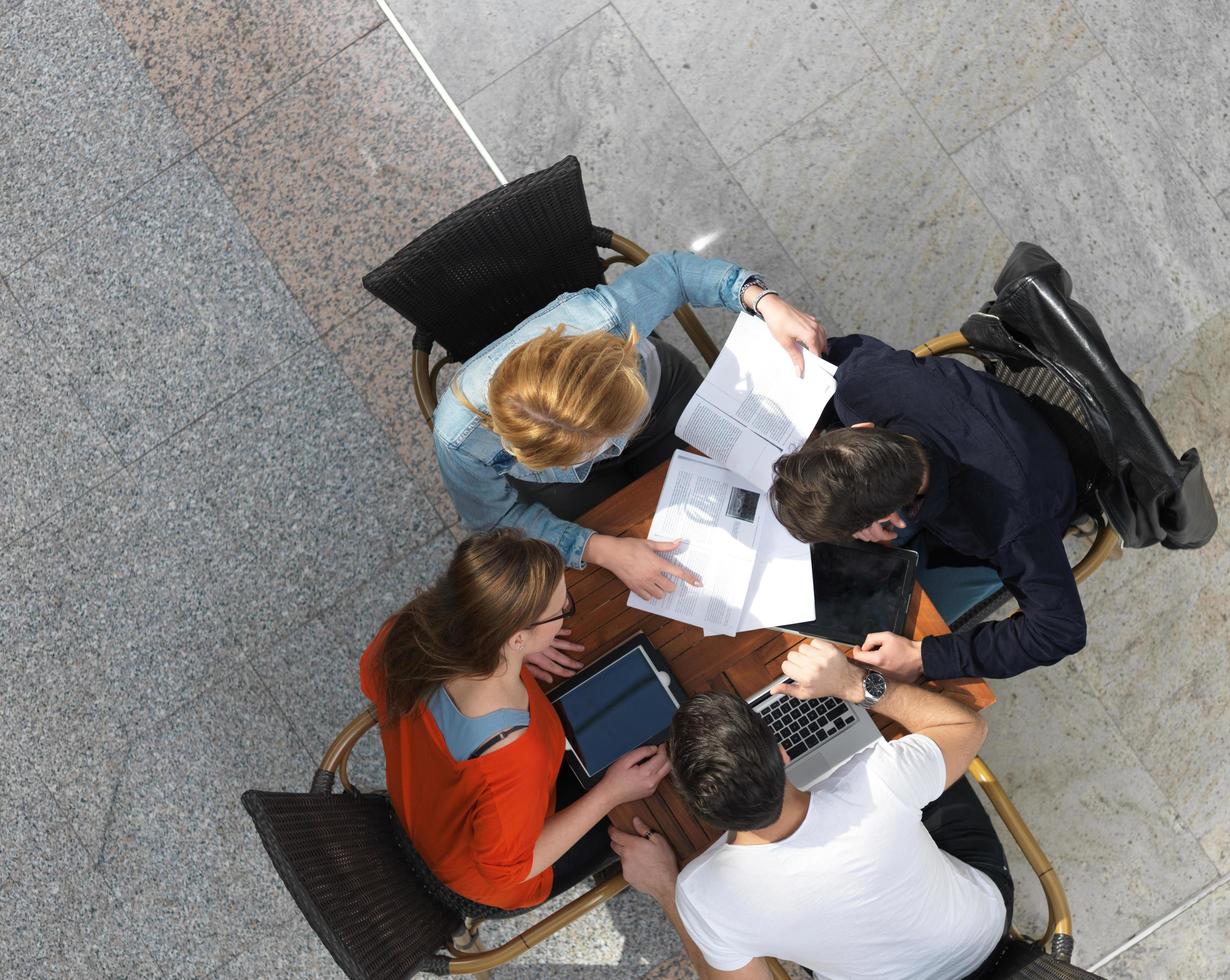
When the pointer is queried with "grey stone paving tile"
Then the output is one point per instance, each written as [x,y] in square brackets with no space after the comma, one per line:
[498,36]
[648,171]
[160,308]
[1158,620]
[965,64]
[50,448]
[1177,56]
[83,123]
[896,242]
[57,917]
[345,167]
[747,72]
[1191,945]
[110,629]
[184,859]
[313,674]
[623,939]
[1122,853]
[295,494]
[295,951]
[1086,172]
[374,350]
[213,65]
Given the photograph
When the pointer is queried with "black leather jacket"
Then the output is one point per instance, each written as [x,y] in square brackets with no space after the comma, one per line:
[1149,495]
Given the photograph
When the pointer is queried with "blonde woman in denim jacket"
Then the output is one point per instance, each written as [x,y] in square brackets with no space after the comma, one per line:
[580,399]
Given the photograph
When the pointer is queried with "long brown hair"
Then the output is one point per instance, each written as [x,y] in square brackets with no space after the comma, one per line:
[496,584]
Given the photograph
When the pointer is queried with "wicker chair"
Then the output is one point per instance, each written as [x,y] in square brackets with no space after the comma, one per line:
[479,272]
[365,891]
[383,915]
[1063,413]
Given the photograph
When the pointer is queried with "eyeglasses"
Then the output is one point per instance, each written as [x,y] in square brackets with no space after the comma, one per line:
[569,608]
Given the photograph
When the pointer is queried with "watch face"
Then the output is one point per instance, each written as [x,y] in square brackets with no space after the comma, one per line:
[874,685]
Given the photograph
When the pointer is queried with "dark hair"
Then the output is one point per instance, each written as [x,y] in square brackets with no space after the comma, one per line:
[843,480]
[726,763]
[496,584]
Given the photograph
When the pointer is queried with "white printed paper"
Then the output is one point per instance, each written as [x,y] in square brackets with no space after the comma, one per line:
[718,517]
[752,407]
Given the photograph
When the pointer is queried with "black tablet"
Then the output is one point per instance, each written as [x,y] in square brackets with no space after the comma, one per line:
[860,588]
[621,701]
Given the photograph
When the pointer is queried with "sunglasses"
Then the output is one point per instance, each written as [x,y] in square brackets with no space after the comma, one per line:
[569,608]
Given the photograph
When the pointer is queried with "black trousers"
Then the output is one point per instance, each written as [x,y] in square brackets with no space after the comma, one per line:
[591,853]
[654,443]
[960,826]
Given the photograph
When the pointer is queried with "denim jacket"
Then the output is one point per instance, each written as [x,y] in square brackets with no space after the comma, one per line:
[472,461]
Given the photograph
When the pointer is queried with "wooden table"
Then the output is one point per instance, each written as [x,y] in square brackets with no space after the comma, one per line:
[740,664]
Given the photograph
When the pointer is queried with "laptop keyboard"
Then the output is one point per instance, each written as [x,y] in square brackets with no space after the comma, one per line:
[802,725]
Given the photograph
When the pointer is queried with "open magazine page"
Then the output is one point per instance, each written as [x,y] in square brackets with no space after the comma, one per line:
[752,407]
[718,517]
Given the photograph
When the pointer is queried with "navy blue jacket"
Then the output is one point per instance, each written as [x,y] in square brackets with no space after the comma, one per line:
[1001,490]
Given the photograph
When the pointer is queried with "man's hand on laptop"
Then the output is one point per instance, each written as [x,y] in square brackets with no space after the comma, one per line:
[820,670]
[893,656]
[649,864]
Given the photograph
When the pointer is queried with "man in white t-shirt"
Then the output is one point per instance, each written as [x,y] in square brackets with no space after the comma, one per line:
[888,868]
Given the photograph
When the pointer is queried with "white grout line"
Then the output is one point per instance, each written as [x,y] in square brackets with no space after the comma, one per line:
[1149,930]
[448,99]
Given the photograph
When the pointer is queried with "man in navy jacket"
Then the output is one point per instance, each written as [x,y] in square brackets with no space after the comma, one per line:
[933,443]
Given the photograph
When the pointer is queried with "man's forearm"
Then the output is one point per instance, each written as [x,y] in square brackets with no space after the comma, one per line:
[916,708]
[958,730]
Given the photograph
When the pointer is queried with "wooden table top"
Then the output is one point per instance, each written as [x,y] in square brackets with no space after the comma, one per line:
[740,664]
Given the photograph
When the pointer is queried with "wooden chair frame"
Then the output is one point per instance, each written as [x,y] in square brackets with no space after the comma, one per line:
[1106,542]
[425,374]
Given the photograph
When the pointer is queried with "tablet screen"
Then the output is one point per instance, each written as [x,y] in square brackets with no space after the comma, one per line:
[859,590]
[620,707]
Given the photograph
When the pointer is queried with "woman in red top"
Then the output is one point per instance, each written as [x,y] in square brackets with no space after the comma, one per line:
[472,746]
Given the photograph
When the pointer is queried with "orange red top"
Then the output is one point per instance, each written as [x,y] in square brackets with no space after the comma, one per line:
[474,822]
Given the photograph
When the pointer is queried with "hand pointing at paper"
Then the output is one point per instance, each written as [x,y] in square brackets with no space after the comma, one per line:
[643,566]
[788,325]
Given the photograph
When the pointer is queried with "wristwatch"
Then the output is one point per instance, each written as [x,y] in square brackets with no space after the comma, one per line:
[874,686]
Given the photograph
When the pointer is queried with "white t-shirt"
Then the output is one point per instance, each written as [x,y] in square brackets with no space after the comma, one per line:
[860,890]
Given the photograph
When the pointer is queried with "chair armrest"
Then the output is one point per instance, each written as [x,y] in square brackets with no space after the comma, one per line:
[1104,545]
[1059,924]
[583,904]
[949,343]
[424,384]
[336,755]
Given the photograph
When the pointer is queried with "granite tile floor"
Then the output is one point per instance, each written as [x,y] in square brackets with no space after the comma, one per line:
[216,484]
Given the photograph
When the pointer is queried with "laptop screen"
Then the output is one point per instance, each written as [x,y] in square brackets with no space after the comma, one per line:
[860,589]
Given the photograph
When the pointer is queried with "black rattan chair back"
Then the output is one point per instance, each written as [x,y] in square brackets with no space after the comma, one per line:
[479,272]
[344,859]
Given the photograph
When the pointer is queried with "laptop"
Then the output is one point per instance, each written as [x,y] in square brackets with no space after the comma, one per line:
[818,734]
